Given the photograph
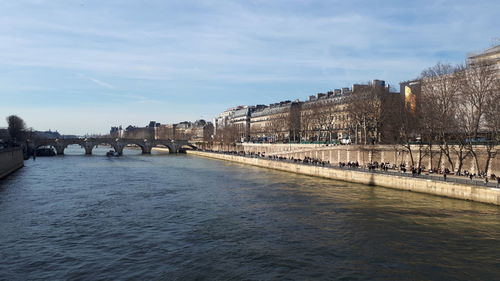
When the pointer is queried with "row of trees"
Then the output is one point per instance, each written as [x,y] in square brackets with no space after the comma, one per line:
[457,115]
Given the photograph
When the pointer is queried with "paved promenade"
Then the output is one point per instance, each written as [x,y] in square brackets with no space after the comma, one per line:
[364,154]
[426,175]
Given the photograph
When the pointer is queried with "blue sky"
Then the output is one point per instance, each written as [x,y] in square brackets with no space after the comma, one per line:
[83,66]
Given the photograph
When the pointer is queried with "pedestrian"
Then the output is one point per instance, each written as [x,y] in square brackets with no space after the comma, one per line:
[498,182]
[470,176]
[444,176]
[485,180]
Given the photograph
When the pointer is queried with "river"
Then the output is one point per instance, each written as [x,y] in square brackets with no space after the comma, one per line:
[181,217]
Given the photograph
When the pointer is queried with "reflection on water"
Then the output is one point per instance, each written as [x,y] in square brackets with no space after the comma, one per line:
[178,217]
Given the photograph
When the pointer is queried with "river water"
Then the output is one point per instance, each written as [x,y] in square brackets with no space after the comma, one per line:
[180,217]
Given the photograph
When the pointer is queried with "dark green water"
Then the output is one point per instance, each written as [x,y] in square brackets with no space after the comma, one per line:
[163,217]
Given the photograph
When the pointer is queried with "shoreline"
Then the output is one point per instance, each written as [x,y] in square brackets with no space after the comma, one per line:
[452,190]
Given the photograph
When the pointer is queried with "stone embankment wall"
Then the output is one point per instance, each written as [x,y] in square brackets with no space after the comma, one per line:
[394,154]
[11,159]
[446,189]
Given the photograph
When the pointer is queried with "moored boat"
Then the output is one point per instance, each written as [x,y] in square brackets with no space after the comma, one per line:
[45,152]
[112,153]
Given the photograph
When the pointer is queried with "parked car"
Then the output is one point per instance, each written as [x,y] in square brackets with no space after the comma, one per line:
[345,141]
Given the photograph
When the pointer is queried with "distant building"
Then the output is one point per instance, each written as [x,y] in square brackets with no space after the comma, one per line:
[324,117]
[411,91]
[198,131]
[166,132]
[116,132]
[274,122]
[133,132]
[4,134]
[69,136]
[224,119]
[46,134]
[490,56]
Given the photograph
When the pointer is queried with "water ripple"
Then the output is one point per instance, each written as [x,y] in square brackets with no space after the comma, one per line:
[186,218]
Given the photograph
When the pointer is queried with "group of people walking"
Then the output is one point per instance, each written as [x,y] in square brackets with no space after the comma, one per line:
[372,166]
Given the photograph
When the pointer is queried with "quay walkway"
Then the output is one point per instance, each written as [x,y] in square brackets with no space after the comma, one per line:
[452,187]
[394,172]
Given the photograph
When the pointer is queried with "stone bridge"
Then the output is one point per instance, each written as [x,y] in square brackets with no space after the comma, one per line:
[118,144]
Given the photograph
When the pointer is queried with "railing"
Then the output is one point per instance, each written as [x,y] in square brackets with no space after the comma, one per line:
[392,172]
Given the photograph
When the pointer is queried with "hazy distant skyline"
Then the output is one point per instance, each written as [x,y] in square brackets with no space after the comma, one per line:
[83,66]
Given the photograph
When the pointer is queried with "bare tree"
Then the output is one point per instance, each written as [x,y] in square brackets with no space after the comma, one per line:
[256,131]
[311,120]
[367,107]
[208,134]
[492,121]
[16,127]
[478,85]
[329,112]
[279,124]
[294,122]
[437,110]
[409,125]
[359,110]
[226,137]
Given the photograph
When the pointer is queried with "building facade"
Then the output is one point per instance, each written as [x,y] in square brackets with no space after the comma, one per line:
[341,115]
[274,122]
[198,131]
[490,56]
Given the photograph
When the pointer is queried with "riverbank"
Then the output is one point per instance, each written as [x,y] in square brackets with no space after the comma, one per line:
[440,188]
[11,159]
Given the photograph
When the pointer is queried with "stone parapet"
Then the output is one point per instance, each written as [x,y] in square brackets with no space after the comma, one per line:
[11,159]
[393,154]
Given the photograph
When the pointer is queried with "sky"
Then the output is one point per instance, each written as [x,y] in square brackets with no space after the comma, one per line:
[83,66]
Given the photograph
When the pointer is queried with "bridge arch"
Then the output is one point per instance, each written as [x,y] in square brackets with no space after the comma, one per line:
[39,145]
[163,145]
[96,143]
[73,150]
[51,146]
[187,146]
[124,144]
[64,143]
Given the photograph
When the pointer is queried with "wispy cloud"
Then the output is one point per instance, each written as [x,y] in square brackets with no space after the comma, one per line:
[98,82]
[174,50]
[134,98]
